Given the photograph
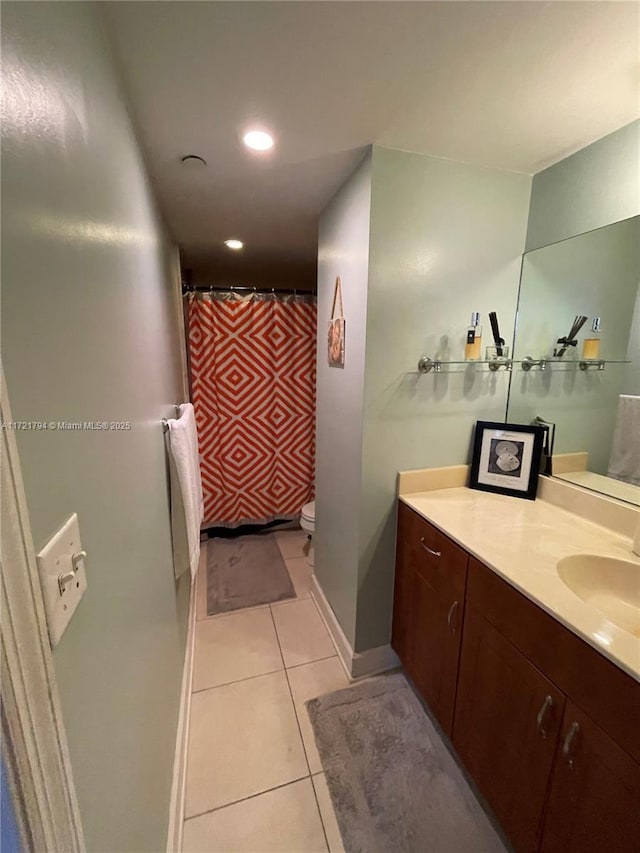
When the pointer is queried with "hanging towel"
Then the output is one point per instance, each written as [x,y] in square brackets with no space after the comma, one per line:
[624,462]
[187,508]
[187,410]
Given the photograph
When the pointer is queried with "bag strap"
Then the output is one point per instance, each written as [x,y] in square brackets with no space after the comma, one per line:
[337,292]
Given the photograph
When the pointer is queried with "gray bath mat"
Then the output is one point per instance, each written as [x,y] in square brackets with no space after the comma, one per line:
[245,572]
[394,786]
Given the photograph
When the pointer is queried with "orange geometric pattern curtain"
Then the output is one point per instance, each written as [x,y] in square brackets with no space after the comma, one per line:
[253,382]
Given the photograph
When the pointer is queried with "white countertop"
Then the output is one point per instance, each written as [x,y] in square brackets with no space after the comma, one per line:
[522,542]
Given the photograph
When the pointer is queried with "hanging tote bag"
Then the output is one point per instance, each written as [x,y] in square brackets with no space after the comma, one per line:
[335,347]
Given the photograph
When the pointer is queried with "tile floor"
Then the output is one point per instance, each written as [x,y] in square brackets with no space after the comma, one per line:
[254,779]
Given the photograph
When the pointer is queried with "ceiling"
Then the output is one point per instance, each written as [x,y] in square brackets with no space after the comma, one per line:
[509,85]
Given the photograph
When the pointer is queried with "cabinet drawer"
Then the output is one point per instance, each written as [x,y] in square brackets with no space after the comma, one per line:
[434,556]
[607,694]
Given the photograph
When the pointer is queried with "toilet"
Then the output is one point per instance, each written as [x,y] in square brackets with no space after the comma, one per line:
[308,524]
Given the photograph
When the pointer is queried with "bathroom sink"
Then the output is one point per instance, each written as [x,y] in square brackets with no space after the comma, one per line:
[608,584]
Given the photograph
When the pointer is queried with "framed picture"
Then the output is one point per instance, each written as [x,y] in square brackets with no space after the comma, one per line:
[506,459]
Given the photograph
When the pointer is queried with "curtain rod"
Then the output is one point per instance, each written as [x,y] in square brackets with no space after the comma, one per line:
[192,288]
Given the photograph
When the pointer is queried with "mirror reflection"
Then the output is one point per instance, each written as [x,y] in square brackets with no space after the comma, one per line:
[591,388]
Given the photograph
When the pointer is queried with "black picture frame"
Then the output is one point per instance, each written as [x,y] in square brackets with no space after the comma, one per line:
[506,459]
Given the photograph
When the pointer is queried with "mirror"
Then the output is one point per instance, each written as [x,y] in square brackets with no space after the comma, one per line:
[596,410]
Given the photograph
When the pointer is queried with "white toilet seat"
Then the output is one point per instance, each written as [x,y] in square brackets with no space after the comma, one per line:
[308,524]
[308,513]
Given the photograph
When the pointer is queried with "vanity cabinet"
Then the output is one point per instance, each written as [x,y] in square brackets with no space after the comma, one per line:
[546,726]
[594,802]
[431,579]
[507,723]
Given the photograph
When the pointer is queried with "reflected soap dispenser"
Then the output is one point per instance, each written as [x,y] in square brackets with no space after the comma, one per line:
[473,346]
[591,345]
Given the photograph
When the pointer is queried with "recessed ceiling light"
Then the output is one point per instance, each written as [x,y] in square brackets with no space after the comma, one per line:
[234,244]
[258,140]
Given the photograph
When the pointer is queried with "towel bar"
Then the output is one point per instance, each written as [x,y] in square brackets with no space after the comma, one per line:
[165,422]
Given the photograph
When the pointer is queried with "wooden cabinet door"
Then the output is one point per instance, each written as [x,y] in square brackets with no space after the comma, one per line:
[435,647]
[431,577]
[506,728]
[402,594]
[594,806]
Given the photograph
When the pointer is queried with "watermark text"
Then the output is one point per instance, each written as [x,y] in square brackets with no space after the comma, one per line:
[62,426]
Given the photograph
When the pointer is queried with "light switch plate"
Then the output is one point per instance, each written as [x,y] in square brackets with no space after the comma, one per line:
[62,577]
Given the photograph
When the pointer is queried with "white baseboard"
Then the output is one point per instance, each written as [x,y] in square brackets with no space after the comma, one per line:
[345,652]
[356,664]
[176,807]
[374,661]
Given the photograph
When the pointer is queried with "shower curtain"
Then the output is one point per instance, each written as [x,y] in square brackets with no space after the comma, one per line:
[253,378]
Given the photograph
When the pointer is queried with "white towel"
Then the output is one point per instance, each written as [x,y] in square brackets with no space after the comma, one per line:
[186,409]
[624,462]
[187,507]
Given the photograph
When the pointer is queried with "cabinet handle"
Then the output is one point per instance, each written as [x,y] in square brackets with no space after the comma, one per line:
[574,728]
[452,610]
[542,713]
[426,548]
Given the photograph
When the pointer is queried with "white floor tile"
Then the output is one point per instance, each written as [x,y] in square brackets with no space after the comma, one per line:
[301,573]
[307,682]
[236,646]
[282,821]
[243,740]
[303,637]
[327,814]
[292,543]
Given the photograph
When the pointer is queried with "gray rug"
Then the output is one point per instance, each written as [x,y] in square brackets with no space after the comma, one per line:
[394,785]
[245,572]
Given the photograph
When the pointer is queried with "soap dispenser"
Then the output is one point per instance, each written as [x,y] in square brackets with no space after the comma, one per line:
[591,345]
[473,346]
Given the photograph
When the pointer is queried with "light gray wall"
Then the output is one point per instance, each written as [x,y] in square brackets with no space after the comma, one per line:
[594,187]
[590,189]
[631,378]
[595,274]
[343,249]
[446,240]
[90,332]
